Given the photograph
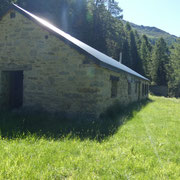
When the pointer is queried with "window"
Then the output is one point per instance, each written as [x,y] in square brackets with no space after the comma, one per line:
[139,90]
[136,87]
[129,88]
[12,15]
[142,89]
[46,36]
[114,86]
[147,89]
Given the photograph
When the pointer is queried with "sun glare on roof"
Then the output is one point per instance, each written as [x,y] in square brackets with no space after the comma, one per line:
[46,23]
[100,56]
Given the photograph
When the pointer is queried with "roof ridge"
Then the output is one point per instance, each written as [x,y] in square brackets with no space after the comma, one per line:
[93,52]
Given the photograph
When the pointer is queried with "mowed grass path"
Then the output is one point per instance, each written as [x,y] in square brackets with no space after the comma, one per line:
[147,146]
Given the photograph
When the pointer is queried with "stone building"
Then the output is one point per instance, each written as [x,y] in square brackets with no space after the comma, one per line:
[45,68]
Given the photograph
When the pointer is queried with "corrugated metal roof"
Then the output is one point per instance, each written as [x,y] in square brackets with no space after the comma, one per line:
[97,54]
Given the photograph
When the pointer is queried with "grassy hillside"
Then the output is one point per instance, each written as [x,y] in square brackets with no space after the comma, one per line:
[145,146]
[154,33]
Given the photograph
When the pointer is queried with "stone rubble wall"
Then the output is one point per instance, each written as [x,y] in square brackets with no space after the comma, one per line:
[104,84]
[57,77]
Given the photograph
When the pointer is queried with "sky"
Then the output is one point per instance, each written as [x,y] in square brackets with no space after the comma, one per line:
[163,14]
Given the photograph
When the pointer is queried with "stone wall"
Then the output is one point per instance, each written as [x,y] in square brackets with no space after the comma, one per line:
[125,94]
[159,90]
[57,77]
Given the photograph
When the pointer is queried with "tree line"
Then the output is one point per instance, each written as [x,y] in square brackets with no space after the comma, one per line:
[99,24]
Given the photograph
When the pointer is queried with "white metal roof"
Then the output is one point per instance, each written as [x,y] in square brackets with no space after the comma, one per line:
[97,54]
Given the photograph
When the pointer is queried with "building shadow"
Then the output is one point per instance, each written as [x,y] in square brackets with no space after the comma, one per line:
[19,125]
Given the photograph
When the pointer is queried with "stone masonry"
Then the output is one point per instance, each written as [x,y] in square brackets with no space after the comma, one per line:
[58,77]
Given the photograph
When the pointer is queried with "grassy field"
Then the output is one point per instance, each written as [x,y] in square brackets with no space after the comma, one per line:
[141,143]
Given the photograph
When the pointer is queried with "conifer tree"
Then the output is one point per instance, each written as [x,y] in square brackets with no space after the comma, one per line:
[136,61]
[4,5]
[112,7]
[160,60]
[138,41]
[130,50]
[174,71]
[145,54]
[126,57]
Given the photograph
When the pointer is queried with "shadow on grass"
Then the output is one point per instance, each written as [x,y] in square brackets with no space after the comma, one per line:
[18,125]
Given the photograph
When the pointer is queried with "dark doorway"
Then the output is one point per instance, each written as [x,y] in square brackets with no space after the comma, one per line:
[13,81]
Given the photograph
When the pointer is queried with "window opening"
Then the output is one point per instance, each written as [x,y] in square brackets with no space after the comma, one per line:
[114,86]
[142,89]
[136,87]
[12,15]
[129,88]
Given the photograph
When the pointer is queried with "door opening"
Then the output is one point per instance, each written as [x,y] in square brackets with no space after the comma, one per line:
[13,88]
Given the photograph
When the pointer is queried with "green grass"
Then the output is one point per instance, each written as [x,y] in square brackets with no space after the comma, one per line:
[144,145]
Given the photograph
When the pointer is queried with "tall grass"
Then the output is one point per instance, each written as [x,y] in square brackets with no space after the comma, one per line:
[17,123]
[141,143]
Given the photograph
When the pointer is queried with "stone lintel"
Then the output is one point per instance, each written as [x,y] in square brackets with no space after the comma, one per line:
[14,67]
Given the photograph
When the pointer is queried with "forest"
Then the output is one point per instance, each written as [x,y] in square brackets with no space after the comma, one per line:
[99,23]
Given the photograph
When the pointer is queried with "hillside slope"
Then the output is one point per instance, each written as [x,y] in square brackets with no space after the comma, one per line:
[154,33]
